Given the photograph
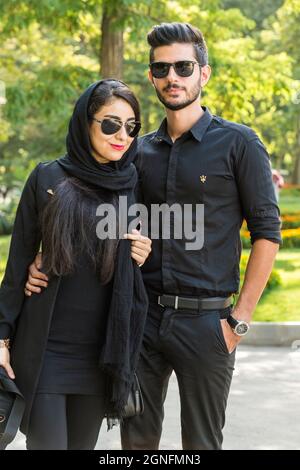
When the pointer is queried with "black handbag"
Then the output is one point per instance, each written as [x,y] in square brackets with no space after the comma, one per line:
[135,403]
[12,407]
[134,406]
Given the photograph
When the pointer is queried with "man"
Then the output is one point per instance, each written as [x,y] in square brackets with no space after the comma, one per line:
[196,158]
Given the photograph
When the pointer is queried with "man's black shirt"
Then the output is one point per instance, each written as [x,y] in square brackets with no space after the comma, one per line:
[224,166]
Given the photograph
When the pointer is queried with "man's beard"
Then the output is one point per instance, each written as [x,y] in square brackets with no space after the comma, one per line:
[192,96]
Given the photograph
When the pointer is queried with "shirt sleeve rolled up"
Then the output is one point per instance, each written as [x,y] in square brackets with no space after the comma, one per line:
[257,195]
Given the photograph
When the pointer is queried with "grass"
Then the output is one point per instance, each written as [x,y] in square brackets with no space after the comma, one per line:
[289,204]
[283,303]
[280,304]
[289,200]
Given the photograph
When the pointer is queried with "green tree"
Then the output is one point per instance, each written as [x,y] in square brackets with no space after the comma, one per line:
[286,36]
[259,11]
[51,50]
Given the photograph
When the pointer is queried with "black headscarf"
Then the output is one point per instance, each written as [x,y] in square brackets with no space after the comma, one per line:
[79,160]
[129,303]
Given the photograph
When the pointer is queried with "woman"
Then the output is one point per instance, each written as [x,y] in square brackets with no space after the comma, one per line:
[75,346]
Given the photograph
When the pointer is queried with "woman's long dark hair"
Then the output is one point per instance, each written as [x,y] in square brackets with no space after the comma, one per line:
[69,219]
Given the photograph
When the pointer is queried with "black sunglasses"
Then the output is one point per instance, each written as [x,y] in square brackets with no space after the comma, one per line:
[183,68]
[111,126]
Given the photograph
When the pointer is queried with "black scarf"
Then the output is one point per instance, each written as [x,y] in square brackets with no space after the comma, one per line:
[129,304]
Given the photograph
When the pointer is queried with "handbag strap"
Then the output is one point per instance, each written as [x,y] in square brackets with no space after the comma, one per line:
[13,422]
[7,385]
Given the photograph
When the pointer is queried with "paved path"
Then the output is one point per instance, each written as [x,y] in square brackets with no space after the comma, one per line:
[263,408]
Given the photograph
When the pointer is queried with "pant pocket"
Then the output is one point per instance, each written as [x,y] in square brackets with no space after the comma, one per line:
[220,335]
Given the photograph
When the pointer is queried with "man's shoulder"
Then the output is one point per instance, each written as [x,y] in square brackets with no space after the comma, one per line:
[144,142]
[147,137]
[244,132]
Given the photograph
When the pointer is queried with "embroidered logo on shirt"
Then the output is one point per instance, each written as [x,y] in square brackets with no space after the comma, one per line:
[202,178]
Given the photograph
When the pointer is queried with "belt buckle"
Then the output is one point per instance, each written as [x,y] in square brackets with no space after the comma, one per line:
[162,305]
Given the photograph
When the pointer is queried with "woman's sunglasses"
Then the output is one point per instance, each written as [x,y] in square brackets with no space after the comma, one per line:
[183,68]
[111,126]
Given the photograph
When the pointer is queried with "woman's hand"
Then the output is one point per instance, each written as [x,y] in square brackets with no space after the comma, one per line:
[5,362]
[36,279]
[140,246]
[140,250]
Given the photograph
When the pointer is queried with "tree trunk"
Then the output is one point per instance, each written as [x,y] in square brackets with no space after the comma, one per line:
[112,44]
[296,171]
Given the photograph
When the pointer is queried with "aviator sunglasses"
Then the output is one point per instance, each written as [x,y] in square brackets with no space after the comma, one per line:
[111,126]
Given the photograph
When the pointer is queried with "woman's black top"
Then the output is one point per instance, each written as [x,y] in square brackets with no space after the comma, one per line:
[76,334]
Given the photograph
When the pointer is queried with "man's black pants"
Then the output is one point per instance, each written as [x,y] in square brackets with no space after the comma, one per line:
[192,344]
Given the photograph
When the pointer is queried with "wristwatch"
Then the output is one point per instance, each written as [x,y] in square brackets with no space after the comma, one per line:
[239,327]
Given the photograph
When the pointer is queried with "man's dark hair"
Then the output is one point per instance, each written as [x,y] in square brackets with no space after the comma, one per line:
[166,34]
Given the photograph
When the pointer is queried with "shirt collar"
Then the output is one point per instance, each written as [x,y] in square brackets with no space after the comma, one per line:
[198,130]
[200,127]
[162,133]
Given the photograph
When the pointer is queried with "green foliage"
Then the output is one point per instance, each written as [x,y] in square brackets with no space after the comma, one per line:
[258,11]
[289,201]
[291,239]
[5,225]
[50,53]
[18,15]
[44,74]
[273,282]
[282,304]
[4,244]
[290,217]
[290,220]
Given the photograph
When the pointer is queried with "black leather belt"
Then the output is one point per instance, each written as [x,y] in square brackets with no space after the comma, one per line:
[186,303]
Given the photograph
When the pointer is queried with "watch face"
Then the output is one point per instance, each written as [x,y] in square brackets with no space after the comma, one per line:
[242,328]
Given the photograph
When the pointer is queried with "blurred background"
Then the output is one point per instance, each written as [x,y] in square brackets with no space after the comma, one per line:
[50,50]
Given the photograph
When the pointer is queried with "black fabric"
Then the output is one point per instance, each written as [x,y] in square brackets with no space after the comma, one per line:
[77,334]
[236,184]
[21,317]
[135,403]
[65,422]
[12,407]
[193,346]
[80,313]
[79,162]
[183,303]
[129,300]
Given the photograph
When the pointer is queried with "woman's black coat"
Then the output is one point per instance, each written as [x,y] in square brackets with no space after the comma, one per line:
[27,319]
